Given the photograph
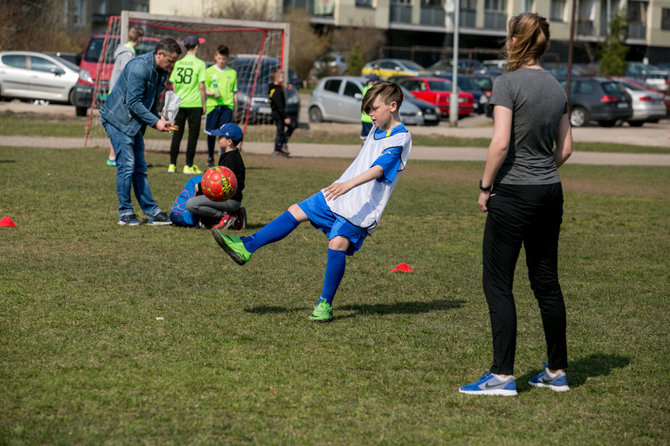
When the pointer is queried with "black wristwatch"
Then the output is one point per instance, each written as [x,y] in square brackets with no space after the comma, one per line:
[484,189]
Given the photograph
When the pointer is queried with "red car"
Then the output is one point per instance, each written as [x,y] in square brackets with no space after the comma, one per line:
[437,91]
[641,84]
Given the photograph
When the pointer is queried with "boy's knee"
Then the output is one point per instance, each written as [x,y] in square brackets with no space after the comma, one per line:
[297,213]
[339,243]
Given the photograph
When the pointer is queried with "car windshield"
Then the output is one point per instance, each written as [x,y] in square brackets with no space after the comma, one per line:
[245,67]
[439,85]
[483,82]
[67,63]
[632,86]
[411,65]
[407,93]
[612,87]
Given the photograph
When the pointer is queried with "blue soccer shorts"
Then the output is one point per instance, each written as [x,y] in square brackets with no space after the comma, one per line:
[321,217]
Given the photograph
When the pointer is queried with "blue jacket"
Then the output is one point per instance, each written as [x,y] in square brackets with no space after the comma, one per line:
[132,103]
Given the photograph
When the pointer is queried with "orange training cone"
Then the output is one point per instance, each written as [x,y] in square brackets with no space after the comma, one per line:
[7,222]
[403,267]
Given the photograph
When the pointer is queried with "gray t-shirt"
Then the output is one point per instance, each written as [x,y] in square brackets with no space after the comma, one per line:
[538,102]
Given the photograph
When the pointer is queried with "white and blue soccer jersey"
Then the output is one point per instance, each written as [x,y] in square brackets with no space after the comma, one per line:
[363,205]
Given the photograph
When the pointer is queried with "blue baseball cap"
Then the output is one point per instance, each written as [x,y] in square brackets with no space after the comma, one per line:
[230,131]
[372,78]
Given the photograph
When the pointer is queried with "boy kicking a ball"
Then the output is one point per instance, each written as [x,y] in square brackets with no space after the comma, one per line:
[348,210]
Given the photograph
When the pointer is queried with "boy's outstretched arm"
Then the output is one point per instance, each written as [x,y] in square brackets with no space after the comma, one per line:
[336,189]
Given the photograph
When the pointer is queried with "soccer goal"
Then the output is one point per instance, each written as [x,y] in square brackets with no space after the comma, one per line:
[256,49]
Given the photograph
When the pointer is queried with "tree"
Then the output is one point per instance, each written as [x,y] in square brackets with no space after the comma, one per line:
[360,44]
[37,26]
[614,50]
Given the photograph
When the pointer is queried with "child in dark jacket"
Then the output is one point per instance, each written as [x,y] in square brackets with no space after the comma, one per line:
[285,125]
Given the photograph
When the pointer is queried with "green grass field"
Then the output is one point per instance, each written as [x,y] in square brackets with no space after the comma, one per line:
[85,360]
[70,126]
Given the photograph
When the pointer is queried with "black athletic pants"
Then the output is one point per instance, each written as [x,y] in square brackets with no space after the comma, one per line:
[284,131]
[194,117]
[528,215]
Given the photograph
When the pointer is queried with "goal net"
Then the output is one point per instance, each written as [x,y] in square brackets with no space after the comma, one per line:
[256,49]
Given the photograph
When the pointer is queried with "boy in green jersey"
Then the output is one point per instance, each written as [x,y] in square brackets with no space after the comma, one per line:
[188,78]
[221,90]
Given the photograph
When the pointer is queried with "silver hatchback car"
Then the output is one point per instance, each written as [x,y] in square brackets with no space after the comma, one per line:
[339,98]
[33,75]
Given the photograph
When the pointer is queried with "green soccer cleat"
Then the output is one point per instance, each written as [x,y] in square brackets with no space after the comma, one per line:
[323,312]
[233,247]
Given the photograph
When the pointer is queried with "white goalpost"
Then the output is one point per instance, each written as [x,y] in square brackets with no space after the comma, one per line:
[256,49]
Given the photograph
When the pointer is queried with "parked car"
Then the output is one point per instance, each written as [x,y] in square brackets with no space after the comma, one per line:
[467,84]
[88,68]
[598,99]
[339,98]
[648,106]
[330,64]
[260,110]
[642,84]
[465,66]
[33,75]
[437,91]
[385,68]
[651,74]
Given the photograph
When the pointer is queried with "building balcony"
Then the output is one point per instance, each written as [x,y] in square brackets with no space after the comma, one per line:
[585,27]
[495,20]
[468,18]
[433,16]
[637,31]
[401,13]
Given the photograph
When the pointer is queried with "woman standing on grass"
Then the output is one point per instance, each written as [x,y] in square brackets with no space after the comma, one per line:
[521,191]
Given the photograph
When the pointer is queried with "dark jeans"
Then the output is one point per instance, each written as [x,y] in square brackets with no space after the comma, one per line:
[528,215]
[194,117]
[284,131]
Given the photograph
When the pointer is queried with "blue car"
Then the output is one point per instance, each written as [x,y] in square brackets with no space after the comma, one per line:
[466,84]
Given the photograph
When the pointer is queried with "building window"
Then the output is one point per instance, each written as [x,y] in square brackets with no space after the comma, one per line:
[637,19]
[79,12]
[364,3]
[557,12]
[665,19]
[495,14]
[468,13]
[527,5]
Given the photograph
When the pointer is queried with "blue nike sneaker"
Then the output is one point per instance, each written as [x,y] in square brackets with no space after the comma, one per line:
[559,383]
[490,384]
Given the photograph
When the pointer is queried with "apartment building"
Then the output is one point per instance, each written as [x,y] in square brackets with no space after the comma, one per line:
[416,26]
[93,15]
[483,23]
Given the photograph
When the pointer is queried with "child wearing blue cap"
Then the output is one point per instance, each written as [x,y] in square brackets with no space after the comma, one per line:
[229,213]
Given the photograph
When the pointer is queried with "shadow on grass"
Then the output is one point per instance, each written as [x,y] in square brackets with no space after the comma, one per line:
[368,309]
[581,369]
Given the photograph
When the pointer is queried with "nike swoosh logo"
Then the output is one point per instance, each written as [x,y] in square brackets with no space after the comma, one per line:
[494,385]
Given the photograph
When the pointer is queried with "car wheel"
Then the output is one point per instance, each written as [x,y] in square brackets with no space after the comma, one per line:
[80,111]
[635,123]
[606,123]
[70,97]
[578,117]
[315,115]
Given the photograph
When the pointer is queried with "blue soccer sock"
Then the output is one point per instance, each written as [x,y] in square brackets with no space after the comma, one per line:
[274,231]
[337,260]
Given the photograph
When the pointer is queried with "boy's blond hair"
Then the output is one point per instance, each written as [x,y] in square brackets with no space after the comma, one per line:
[388,91]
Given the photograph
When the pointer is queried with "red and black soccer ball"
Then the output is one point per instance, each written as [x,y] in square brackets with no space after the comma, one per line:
[219,183]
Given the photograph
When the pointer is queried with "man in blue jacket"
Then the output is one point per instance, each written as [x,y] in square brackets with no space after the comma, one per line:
[129,109]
